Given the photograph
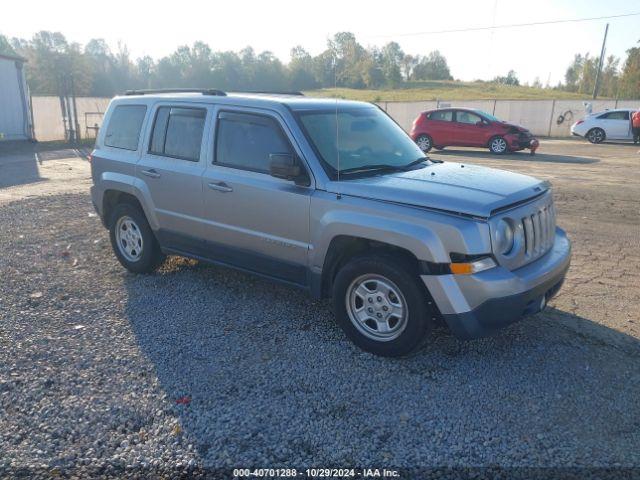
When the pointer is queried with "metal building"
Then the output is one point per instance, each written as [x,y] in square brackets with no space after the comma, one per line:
[15,117]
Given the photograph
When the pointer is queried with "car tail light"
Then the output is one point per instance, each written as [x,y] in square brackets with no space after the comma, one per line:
[579,122]
[420,119]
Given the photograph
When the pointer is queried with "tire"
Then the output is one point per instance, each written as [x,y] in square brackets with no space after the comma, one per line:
[388,282]
[596,135]
[425,142]
[498,145]
[133,241]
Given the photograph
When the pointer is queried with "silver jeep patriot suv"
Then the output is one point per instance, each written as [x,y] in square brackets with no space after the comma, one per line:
[330,196]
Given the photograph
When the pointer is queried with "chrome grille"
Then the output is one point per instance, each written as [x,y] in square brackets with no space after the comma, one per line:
[539,231]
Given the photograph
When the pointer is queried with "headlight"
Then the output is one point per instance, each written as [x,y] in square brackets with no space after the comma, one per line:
[504,237]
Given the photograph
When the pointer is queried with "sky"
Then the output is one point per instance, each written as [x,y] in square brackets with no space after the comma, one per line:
[156,28]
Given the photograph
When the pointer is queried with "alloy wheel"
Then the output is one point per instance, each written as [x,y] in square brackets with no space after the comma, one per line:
[377,307]
[498,145]
[424,143]
[129,238]
[596,135]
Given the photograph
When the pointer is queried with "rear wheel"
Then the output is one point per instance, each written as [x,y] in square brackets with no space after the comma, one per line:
[133,241]
[424,142]
[381,306]
[498,145]
[596,135]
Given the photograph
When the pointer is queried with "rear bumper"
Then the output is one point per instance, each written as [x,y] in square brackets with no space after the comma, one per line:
[96,200]
[477,305]
[578,130]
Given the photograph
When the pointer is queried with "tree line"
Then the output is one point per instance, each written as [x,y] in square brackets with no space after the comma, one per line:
[614,81]
[97,70]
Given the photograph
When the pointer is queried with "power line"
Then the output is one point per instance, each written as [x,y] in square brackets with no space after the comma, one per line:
[512,25]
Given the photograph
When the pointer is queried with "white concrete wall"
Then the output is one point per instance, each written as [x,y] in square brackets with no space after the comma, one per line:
[532,114]
[47,116]
[539,116]
[573,110]
[406,112]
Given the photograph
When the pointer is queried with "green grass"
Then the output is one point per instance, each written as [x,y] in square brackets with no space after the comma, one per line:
[443,90]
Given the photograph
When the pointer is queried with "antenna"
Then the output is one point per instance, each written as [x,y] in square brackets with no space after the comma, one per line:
[335,88]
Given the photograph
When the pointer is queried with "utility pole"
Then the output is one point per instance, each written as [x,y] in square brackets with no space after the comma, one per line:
[604,42]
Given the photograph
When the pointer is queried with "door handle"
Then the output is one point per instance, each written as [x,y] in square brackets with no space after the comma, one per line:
[220,187]
[150,173]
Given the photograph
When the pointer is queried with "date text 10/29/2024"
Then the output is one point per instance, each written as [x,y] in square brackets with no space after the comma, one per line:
[316,473]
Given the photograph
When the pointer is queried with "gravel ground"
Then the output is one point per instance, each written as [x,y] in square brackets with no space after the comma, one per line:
[198,368]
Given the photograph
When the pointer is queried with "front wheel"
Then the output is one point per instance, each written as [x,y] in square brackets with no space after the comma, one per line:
[381,306]
[133,241]
[498,145]
[596,135]
[424,142]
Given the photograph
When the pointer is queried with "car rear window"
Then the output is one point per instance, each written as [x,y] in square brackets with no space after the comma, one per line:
[442,115]
[245,141]
[177,132]
[124,127]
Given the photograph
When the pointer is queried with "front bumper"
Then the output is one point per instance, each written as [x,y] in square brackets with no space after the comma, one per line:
[520,142]
[477,305]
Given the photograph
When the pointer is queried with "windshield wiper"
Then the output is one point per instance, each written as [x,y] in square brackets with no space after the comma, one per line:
[385,167]
[373,168]
[418,161]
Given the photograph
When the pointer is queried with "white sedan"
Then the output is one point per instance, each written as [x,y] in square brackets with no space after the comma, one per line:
[608,125]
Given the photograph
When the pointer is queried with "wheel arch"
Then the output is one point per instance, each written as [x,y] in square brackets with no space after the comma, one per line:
[114,197]
[343,248]
[115,191]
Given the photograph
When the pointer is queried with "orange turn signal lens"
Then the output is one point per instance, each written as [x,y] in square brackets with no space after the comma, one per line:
[461,268]
[472,267]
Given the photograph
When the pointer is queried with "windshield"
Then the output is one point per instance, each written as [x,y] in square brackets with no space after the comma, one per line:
[488,116]
[363,139]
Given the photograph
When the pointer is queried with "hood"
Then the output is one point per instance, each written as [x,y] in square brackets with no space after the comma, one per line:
[519,128]
[453,187]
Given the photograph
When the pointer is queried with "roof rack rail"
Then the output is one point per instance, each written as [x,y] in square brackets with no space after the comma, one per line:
[271,92]
[203,91]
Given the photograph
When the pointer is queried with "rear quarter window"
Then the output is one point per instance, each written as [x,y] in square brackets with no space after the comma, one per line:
[124,127]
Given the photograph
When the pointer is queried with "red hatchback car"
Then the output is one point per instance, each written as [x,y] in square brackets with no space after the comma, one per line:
[465,127]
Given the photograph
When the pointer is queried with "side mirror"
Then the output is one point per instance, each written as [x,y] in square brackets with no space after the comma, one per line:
[480,123]
[286,166]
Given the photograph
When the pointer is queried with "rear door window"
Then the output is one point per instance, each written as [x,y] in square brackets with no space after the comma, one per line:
[442,115]
[124,127]
[177,132]
[245,141]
